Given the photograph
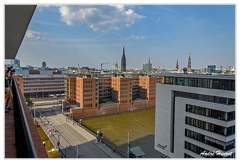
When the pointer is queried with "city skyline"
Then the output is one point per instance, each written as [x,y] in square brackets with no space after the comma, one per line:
[97,33]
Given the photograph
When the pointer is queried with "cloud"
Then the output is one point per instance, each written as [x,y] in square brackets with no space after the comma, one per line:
[136,37]
[99,17]
[33,35]
[42,7]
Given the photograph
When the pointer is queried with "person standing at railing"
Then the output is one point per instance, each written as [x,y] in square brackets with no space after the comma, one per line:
[10,79]
[8,92]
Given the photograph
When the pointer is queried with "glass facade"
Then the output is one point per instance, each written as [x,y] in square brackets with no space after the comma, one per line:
[187,156]
[206,153]
[226,131]
[211,113]
[214,99]
[222,84]
[225,146]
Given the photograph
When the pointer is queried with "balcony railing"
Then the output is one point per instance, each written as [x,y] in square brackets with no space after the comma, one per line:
[28,141]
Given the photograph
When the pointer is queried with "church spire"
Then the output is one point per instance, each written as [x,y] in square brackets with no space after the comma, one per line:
[123,61]
[177,67]
[189,63]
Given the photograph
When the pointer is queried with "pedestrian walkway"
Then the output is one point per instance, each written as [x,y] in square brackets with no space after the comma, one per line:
[74,138]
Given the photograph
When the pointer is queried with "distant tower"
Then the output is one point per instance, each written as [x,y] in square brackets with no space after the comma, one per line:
[189,63]
[177,67]
[116,66]
[44,65]
[147,67]
[123,61]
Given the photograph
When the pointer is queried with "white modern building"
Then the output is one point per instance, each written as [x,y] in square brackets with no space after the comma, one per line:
[15,63]
[195,116]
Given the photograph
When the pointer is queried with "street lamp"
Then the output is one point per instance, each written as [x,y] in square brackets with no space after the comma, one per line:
[128,147]
[62,106]
[58,143]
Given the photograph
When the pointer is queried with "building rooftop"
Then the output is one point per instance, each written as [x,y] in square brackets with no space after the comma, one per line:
[137,151]
[229,77]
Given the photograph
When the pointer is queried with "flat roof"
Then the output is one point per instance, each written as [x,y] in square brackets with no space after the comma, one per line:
[229,77]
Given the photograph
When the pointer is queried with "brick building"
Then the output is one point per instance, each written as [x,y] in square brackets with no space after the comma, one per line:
[109,95]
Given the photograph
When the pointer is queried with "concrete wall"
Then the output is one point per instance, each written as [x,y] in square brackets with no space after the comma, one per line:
[109,109]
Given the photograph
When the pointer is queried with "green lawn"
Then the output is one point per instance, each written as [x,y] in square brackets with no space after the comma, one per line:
[115,127]
[48,144]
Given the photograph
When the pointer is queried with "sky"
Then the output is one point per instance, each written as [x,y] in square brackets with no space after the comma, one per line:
[88,35]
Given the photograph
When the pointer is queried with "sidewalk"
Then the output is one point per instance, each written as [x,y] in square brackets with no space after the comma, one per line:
[106,150]
[93,139]
[61,119]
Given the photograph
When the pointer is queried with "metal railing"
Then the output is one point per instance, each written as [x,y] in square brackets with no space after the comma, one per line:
[24,142]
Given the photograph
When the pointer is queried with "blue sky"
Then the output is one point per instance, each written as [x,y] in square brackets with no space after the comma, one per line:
[87,35]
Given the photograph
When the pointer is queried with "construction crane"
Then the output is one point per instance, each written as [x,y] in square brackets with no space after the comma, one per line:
[102,65]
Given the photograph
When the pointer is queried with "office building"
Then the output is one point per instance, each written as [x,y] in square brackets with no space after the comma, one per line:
[108,94]
[147,67]
[195,116]
[37,84]
[211,68]
[15,63]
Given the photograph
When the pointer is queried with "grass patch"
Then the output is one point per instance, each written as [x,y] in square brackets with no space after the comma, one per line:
[115,128]
[48,144]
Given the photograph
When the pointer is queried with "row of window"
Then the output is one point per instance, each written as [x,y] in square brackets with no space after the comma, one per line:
[225,146]
[202,83]
[206,153]
[87,90]
[34,86]
[124,92]
[46,89]
[40,79]
[226,131]
[87,86]
[187,156]
[105,95]
[87,82]
[36,83]
[123,96]
[211,112]
[105,87]
[41,94]
[215,99]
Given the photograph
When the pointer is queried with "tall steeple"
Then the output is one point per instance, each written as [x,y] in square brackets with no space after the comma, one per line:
[123,61]
[149,60]
[189,63]
[177,67]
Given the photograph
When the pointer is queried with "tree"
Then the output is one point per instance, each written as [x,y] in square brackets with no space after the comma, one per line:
[29,102]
